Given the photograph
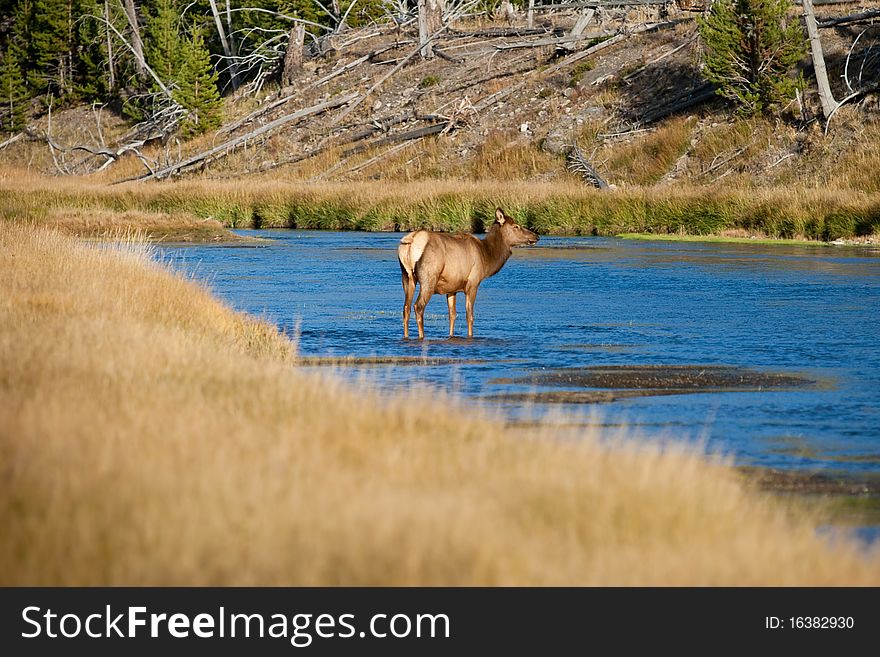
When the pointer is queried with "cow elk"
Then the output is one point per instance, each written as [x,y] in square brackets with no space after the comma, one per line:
[445,263]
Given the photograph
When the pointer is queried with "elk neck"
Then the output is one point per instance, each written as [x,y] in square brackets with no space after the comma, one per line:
[495,250]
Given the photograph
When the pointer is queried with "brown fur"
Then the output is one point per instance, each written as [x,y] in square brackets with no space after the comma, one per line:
[443,263]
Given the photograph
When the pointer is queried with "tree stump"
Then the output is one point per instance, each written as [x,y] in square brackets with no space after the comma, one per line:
[293,59]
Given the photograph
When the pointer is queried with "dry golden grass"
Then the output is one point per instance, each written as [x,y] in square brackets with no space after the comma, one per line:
[646,160]
[504,156]
[149,435]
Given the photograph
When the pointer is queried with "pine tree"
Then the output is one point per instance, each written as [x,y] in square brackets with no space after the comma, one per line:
[752,49]
[92,67]
[163,47]
[13,93]
[197,88]
[49,46]
[20,35]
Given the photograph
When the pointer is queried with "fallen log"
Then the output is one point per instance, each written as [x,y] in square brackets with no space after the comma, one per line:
[852,18]
[557,41]
[504,32]
[680,102]
[403,136]
[449,58]
[227,146]
[383,125]
[579,26]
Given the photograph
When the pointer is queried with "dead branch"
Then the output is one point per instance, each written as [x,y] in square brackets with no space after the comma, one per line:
[577,163]
[138,54]
[228,146]
[109,154]
[11,140]
[498,96]
[619,135]
[714,166]
[856,94]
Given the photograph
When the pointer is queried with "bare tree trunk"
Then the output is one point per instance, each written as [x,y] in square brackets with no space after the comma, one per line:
[137,45]
[579,27]
[227,50]
[229,21]
[112,69]
[294,56]
[531,14]
[825,95]
[430,20]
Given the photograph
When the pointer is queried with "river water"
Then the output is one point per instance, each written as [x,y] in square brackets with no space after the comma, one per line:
[577,316]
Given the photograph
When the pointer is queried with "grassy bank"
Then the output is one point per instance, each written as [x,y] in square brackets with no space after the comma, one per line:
[149,435]
[552,208]
[719,239]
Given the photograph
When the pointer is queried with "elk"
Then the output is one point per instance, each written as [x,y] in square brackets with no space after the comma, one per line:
[445,263]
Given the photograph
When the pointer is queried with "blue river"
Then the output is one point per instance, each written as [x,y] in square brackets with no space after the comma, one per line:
[574,303]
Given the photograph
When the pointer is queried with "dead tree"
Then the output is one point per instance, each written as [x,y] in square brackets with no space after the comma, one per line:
[110,65]
[825,95]
[226,43]
[294,56]
[137,44]
[430,22]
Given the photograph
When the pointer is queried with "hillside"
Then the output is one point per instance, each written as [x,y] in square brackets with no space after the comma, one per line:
[499,102]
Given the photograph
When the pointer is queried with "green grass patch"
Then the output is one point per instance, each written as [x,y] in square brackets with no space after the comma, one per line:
[652,237]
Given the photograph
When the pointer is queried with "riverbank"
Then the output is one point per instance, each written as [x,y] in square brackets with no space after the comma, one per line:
[204,209]
[156,437]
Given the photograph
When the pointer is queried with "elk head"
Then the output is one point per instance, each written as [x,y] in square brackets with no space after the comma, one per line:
[512,232]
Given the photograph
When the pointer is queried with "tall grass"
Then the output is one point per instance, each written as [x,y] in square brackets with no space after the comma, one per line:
[149,435]
[646,161]
[563,208]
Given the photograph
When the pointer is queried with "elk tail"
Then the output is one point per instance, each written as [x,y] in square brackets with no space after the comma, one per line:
[410,251]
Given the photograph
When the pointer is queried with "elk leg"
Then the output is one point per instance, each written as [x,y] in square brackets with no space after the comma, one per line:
[425,294]
[470,296]
[450,302]
[409,289]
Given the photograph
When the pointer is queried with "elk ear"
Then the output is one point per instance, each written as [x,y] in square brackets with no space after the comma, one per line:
[499,216]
